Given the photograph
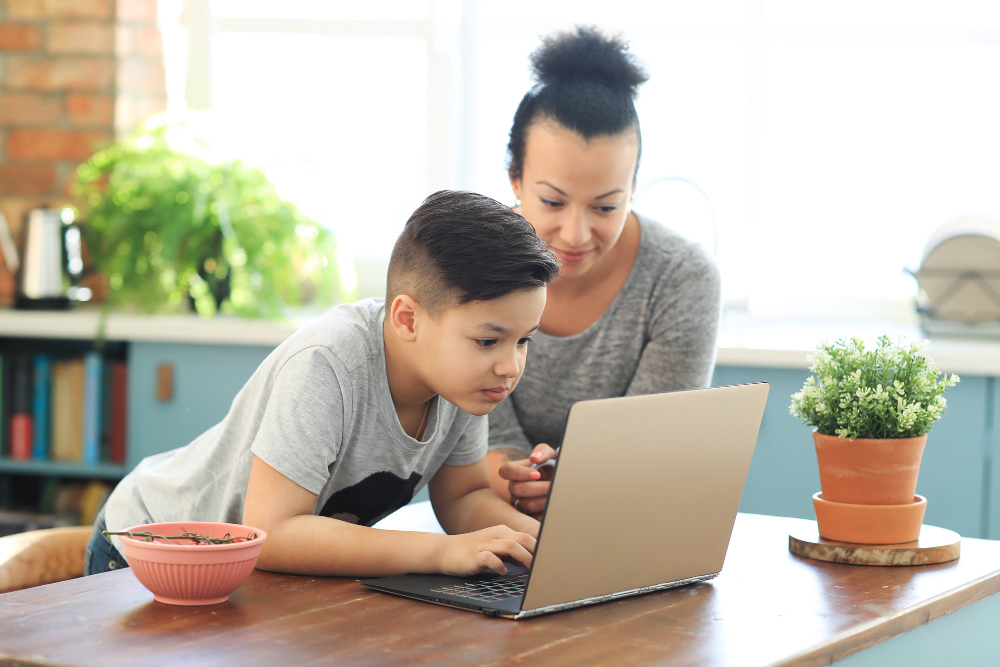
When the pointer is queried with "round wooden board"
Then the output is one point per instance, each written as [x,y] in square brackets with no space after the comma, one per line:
[936,545]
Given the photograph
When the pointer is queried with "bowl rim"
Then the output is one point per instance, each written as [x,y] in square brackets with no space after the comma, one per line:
[142,544]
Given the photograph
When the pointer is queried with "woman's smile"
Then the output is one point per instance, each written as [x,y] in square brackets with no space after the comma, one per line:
[572,256]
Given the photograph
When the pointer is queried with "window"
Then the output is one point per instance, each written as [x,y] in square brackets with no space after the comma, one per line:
[816,145]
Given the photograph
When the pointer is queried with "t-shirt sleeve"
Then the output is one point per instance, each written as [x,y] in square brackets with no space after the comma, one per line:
[303,424]
[505,430]
[686,309]
[471,445]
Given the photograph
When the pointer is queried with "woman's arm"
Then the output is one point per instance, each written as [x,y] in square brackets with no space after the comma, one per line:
[686,310]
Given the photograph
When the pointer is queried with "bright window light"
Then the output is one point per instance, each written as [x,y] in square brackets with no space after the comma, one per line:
[814,147]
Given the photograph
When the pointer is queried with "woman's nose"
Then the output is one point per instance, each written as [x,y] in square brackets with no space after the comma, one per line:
[575,230]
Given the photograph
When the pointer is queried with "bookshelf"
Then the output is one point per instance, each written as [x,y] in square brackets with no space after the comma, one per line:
[103,471]
[210,361]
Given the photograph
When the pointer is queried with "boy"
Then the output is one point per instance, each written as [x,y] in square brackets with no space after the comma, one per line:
[353,414]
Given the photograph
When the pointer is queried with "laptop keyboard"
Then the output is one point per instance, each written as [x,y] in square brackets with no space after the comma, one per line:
[490,589]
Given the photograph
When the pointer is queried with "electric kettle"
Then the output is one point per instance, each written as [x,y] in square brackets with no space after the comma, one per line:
[51,259]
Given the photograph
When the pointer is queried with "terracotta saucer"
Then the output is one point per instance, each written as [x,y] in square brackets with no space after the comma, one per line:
[869,524]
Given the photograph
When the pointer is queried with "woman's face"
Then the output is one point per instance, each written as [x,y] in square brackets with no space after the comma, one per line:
[576,192]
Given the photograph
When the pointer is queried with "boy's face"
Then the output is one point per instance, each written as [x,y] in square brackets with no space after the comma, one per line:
[473,354]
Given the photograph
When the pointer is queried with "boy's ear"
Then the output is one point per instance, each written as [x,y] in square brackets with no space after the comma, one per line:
[403,317]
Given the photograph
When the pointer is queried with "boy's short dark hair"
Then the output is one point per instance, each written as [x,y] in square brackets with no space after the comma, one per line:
[461,246]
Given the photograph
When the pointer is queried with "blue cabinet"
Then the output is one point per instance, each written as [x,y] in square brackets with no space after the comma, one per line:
[206,379]
[991,448]
[956,475]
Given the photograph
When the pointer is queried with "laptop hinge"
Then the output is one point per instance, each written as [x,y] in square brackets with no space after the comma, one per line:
[613,596]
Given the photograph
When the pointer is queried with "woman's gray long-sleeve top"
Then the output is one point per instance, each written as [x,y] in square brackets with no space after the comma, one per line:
[659,334]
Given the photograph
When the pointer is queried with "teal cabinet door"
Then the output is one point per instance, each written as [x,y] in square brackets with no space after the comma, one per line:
[953,470]
[783,473]
[953,474]
[992,491]
[206,379]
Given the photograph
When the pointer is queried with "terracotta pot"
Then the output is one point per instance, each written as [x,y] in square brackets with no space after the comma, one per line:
[870,524]
[867,471]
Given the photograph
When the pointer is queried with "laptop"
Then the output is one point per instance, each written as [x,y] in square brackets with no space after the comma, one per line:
[674,466]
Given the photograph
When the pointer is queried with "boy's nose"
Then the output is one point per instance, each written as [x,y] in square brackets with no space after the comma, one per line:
[508,366]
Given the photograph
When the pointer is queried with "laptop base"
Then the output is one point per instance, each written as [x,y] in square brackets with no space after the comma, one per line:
[511,607]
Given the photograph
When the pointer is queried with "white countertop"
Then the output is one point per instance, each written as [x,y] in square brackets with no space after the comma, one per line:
[82,323]
[743,340]
[785,343]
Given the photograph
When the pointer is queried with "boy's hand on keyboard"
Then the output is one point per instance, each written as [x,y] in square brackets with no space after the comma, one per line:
[470,553]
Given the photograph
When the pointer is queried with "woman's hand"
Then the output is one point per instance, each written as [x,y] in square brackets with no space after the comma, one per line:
[529,486]
[470,553]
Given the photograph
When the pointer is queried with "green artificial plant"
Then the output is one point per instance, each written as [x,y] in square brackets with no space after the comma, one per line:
[891,390]
[169,228]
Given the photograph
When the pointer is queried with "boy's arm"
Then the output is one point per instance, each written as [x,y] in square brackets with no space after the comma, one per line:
[464,501]
[302,543]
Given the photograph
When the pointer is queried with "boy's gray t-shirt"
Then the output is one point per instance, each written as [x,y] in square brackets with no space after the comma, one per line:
[318,410]
[659,334]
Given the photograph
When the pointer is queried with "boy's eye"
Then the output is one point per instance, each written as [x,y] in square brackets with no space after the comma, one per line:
[486,342]
[523,341]
[550,202]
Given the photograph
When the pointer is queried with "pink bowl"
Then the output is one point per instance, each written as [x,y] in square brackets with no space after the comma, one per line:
[192,574]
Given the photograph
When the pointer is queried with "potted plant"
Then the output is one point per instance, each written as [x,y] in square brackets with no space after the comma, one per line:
[871,409]
[171,230]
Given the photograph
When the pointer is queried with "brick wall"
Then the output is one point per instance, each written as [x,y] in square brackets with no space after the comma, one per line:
[74,74]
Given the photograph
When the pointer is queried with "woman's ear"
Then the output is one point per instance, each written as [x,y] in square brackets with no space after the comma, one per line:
[403,315]
[515,185]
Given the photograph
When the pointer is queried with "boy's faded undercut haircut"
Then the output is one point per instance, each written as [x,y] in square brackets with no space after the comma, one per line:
[461,246]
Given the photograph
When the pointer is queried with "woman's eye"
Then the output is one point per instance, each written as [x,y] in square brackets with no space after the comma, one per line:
[486,342]
[550,202]
[605,209]
[524,341]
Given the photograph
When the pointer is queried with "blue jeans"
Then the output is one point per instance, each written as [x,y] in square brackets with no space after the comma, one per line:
[101,556]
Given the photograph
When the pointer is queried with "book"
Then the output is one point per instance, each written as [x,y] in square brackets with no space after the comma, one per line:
[42,390]
[5,394]
[20,423]
[106,417]
[67,410]
[94,496]
[118,427]
[93,364]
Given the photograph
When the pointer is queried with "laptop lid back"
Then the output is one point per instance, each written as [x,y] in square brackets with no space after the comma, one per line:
[645,492]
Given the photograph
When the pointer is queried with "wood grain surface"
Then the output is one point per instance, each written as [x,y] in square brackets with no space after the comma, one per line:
[935,545]
[767,607]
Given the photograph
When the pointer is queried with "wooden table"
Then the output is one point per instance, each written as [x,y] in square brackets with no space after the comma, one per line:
[767,607]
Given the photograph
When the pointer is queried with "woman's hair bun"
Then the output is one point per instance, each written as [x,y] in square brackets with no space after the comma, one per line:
[585,54]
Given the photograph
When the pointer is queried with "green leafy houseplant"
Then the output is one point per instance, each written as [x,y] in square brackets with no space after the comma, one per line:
[892,390]
[170,229]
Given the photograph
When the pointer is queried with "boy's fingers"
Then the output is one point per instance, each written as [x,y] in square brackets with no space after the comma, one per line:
[488,559]
[527,541]
[518,552]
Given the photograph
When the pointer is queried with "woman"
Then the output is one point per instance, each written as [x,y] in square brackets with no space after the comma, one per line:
[636,307]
